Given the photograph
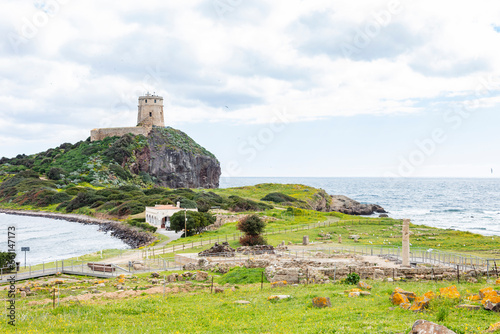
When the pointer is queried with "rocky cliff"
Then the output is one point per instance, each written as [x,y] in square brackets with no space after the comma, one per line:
[176,161]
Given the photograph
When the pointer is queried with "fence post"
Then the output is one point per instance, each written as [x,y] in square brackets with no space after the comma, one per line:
[262,281]
[458,273]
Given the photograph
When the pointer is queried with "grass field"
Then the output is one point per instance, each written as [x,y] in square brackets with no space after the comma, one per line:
[203,312]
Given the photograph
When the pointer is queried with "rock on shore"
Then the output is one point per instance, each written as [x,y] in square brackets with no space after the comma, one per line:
[349,206]
[324,202]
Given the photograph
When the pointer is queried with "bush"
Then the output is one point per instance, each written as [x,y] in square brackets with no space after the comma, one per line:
[238,204]
[352,279]
[128,208]
[83,199]
[7,260]
[60,197]
[196,221]
[278,198]
[140,223]
[120,172]
[252,240]
[56,173]
[251,225]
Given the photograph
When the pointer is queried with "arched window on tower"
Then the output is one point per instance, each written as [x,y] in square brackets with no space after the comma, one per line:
[150,114]
[155,101]
[146,101]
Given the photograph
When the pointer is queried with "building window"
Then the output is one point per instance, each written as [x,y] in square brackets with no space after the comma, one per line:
[150,114]
[155,101]
[146,101]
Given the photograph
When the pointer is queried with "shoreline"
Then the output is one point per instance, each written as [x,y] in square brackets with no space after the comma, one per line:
[126,234]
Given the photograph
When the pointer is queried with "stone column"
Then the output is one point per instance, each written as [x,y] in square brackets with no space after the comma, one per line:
[305,240]
[406,243]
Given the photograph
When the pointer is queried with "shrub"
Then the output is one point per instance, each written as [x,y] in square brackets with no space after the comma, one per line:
[120,172]
[252,240]
[128,208]
[7,260]
[56,173]
[352,279]
[251,225]
[60,197]
[83,199]
[238,204]
[278,198]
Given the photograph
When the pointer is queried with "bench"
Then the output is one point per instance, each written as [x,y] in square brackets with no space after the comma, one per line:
[107,268]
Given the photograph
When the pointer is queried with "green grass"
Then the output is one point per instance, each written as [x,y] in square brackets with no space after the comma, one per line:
[238,275]
[202,312]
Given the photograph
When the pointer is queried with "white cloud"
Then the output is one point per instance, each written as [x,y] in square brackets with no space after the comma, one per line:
[85,67]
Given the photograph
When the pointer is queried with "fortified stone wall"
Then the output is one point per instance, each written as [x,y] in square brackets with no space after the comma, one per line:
[100,134]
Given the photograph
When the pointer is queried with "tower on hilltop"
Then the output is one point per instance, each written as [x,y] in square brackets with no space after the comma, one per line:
[150,111]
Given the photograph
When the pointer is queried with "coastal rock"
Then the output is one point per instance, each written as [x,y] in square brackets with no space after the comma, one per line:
[344,204]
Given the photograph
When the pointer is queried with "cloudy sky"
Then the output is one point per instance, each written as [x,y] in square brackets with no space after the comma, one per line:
[273,88]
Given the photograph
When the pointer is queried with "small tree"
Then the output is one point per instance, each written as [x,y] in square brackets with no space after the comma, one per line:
[196,221]
[252,226]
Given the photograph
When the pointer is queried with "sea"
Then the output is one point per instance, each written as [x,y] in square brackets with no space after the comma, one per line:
[461,204]
[452,203]
[50,239]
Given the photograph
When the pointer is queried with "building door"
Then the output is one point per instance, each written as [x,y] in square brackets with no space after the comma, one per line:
[163,222]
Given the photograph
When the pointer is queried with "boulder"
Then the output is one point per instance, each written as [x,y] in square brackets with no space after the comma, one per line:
[408,294]
[354,294]
[427,327]
[469,307]
[490,306]
[138,266]
[321,302]
[222,250]
[279,297]
[420,304]
[486,291]
[172,278]
[219,290]
[242,302]
[450,292]
[201,276]
[399,298]
[494,327]
[363,285]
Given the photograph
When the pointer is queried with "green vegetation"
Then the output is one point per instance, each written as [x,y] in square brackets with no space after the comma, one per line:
[239,275]
[199,311]
[179,141]
[7,259]
[352,279]
[252,226]
[195,223]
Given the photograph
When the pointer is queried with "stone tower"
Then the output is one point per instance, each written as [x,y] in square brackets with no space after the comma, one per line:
[150,111]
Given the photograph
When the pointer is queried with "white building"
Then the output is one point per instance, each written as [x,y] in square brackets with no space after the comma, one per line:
[159,215]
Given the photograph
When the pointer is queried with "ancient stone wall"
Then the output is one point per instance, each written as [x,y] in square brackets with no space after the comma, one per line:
[100,134]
